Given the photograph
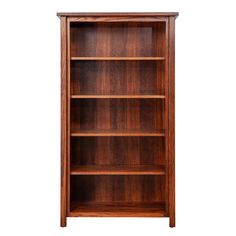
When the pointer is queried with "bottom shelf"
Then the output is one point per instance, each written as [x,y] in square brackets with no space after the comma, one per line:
[156,209]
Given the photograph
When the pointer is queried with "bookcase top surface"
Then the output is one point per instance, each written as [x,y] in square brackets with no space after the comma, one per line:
[78,14]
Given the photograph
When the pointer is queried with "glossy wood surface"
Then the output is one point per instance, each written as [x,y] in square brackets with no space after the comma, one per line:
[117,133]
[119,41]
[118,210]
[172,121]
[117,123]
[120,151]
[118,14]
[117,188]
[117,58]
[63,123]
[117,170]
[118,96]
[136,115]
[68,114]
[117,78]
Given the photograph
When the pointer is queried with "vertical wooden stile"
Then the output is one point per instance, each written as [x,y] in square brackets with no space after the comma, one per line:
[166,114]
[68,115]
[172,121]
[63,121]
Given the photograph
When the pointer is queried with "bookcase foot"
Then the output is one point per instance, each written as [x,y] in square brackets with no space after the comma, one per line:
[63,222]
[172,222]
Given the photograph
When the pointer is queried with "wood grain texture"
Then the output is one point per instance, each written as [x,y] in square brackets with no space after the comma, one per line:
[130,78]
[63,122]
[118,133]
[118,210]
[117,115]
[117,170]
[117,19]
[108,14]
[117,58]
[118,96]
[68,114]
[172,121]
[166,116]
[120,151]
[119,41]
[118,188]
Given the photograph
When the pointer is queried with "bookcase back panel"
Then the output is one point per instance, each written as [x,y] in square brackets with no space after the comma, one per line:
[117,151]
[117,114]
[117,77]
[110,189]
[117,39]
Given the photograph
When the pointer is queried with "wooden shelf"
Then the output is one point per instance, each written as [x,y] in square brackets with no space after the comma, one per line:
[118,209]
[117,58]
[118,170]
[118,96]
[81,133]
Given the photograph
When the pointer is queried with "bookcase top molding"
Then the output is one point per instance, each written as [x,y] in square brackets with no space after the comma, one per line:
[118,14]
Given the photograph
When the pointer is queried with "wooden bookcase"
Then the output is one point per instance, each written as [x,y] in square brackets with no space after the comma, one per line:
[117,115]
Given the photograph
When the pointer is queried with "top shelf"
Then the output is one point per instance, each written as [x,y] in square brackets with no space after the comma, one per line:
[117,58]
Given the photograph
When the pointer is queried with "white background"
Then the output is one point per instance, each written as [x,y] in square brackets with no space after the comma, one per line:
[30,120]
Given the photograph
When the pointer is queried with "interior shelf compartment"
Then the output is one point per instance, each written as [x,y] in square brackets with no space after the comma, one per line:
[123,152]
[106,39]
[99,195]
[127,78]
[117,117]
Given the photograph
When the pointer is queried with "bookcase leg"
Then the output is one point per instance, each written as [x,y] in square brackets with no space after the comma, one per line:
[63,221]
[172,221]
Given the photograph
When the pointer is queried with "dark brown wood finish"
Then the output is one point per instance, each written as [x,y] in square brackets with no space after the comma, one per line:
[117,170]
[119,40]
[117,19]
[118,188]
[119,14]
[63,121]
[117,151]
[172,121]
[116,115]
[156,209]
[117,78]
[117,123]
[166,114]
[68,114]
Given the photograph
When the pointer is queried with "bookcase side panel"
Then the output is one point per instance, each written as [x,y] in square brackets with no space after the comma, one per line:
[172,121]
[63,121]
[68,35]
[166,114]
